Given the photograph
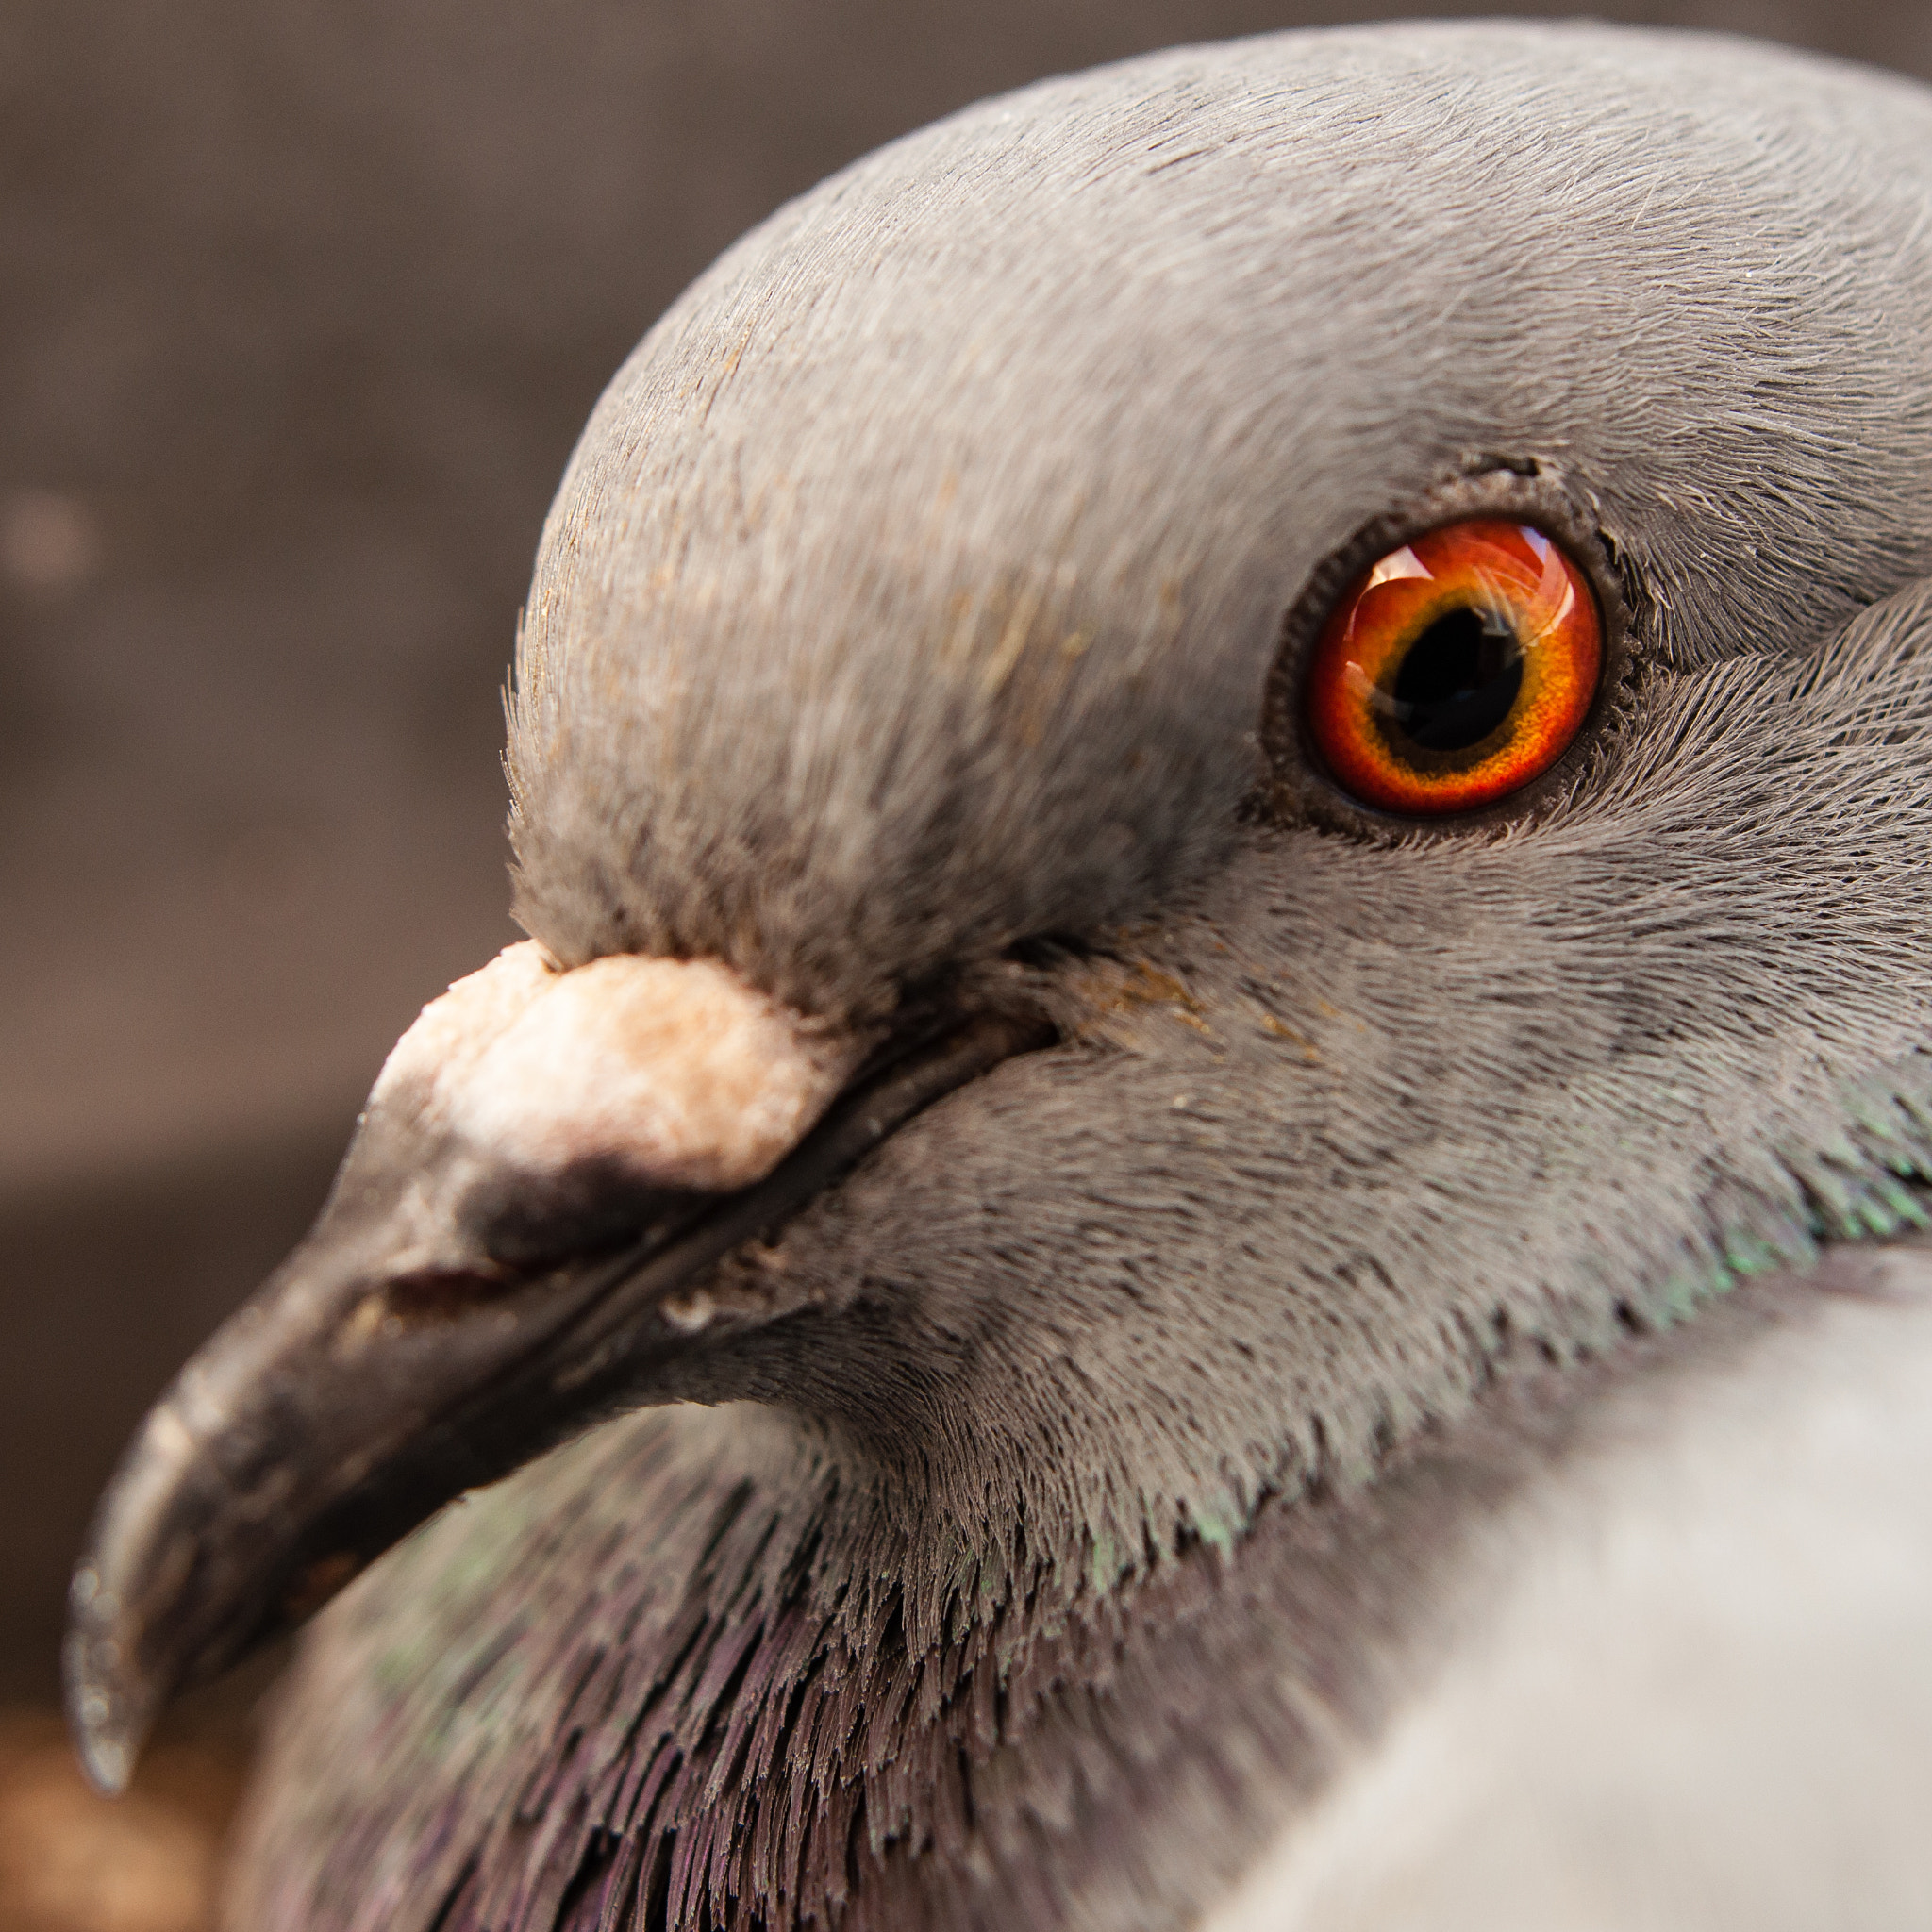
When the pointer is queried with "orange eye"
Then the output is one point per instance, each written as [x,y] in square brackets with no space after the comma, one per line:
[1455,668]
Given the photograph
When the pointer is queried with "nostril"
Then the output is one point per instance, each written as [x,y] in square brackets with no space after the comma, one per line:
[444,1295]
[526,1224]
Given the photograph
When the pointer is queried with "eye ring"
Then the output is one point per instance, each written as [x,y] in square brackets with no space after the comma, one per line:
[1450,668]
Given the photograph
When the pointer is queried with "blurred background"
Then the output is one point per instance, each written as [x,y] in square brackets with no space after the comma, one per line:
[302,303]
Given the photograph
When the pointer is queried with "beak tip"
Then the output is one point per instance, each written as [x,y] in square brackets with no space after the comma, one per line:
[110,1706]
[108,1765]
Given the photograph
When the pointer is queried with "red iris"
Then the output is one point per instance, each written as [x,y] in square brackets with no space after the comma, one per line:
[1455,668]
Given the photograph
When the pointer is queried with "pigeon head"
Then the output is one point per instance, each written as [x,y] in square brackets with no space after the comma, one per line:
[972,1011]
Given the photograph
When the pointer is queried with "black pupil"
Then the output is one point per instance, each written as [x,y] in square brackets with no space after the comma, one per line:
[1457,682]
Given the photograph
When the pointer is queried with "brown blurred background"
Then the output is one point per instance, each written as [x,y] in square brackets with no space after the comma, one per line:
[302,303]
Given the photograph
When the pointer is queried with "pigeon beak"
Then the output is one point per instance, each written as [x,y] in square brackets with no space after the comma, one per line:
[465,1300]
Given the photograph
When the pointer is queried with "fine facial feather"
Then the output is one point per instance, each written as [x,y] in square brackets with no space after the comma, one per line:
[1533,1674]
[530,1627]
[913,591]
[913,586]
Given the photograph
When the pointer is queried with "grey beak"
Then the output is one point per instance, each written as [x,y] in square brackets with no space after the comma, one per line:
[349,1400]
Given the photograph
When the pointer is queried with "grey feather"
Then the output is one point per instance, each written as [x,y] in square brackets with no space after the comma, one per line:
[1682,1676]
[915,591]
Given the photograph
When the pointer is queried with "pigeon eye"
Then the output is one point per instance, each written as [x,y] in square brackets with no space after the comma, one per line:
[1454,668]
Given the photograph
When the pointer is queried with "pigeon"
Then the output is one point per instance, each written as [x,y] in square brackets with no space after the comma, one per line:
[1201,1200]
